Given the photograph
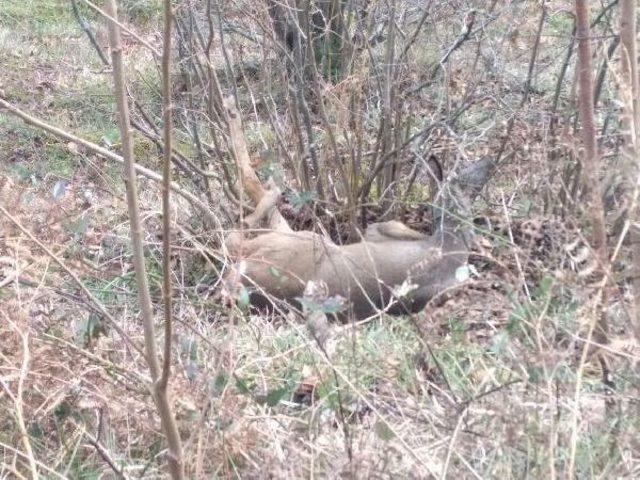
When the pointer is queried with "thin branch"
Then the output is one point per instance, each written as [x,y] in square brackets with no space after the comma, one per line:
[18,397]
[112,19]
[85,27]
[137,245]
[109,155]
[162,395]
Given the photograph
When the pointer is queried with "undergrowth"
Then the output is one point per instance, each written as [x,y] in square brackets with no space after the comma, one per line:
[480,386]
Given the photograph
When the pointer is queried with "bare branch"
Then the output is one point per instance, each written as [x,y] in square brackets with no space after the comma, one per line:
[163,405]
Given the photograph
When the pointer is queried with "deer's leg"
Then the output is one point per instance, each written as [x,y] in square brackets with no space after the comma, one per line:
[264,210]
[392,230]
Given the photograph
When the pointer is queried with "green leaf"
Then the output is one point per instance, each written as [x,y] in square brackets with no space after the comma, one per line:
[298,201]
[220,382]
[333,304]
[543,289]
[62,411]
[383,431]
[242,386]
[274,272]
[243,299]
[499,343]
[35,431]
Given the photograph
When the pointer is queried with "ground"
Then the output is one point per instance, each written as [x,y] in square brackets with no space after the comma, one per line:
[488,384]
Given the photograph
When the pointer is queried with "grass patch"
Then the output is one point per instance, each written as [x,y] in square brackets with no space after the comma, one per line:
[41,17]
[142,12]
[92,104]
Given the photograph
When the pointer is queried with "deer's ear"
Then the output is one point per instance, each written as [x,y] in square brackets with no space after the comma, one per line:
[435,169]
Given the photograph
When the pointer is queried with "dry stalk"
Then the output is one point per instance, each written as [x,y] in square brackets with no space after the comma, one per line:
[105,313]
[50,471]
[18,397]
[169,426]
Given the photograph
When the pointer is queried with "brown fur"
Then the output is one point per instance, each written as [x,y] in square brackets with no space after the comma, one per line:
[281,263]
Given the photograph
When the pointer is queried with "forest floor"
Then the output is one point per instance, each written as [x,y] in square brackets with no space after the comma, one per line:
[489,384]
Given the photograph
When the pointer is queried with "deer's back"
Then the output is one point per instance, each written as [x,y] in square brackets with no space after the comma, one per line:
[365,273]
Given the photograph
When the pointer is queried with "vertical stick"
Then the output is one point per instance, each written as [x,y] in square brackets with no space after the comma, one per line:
[630,122]
[598,328]
[169,427]
[591,159]
[162,395]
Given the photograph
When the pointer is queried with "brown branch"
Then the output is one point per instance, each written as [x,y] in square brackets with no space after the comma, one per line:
[163,406]
[87,30]
[162,396]
[591,159]
[630,123]
[132,191]
[598,327]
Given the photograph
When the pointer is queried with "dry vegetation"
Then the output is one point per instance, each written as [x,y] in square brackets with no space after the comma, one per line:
[492,380]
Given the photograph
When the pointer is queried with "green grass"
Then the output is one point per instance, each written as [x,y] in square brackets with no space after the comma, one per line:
[92,103]
[34,156]
[560,23]
[142,12]
[37,17]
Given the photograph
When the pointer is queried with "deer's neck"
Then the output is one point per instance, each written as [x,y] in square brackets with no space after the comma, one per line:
[451,234]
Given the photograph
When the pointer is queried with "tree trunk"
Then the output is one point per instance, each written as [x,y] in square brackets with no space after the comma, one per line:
[630,122]
[591,167]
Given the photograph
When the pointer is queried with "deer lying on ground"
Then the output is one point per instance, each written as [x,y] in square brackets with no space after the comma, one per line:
[279,264]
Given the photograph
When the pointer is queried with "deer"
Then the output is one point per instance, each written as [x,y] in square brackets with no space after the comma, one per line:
[280,264]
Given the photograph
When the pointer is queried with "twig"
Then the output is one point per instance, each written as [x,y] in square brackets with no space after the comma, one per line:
[17,398]
[112,19]
[85,27]
[53,474]
[104,453]
[414,35]
[464,35]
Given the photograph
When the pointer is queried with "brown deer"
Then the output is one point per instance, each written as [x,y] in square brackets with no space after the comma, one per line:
[279,264]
